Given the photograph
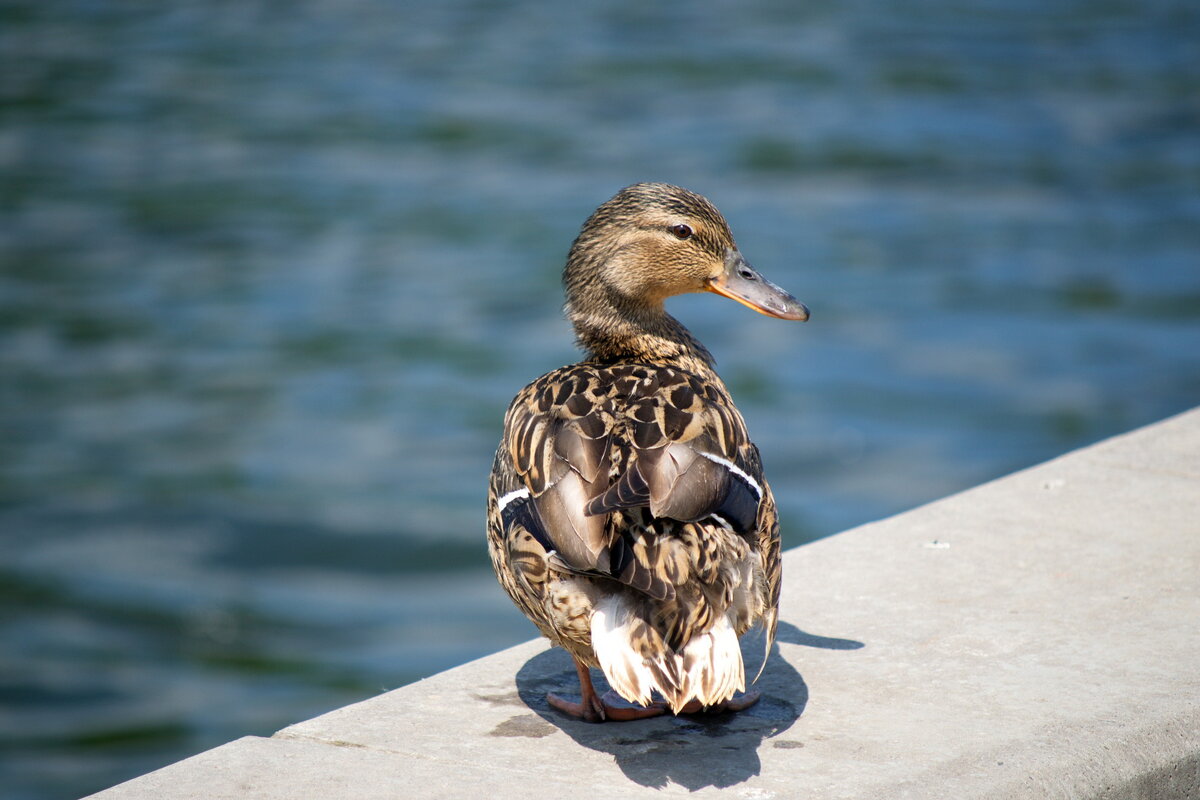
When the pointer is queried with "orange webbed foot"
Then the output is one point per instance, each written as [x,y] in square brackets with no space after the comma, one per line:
[593,708]
[596,709]
[727,707]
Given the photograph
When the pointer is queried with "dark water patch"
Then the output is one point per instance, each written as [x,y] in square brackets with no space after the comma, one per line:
[459,134]
[526,726]
[1182,307]
[697,73]
[20,696]
[281,546]
[1092,294]
[128,738]
[17,590]
[275,668]
[926,77]
[779,155]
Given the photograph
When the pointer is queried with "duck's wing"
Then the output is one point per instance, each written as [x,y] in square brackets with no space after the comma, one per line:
[557,452]
[691,458]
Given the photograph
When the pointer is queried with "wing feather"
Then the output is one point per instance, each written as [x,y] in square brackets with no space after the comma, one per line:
[593,445]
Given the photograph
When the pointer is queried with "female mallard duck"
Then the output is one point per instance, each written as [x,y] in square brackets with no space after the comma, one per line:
[628,516]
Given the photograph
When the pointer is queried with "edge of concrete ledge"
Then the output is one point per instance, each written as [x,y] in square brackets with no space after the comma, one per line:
[1032,637]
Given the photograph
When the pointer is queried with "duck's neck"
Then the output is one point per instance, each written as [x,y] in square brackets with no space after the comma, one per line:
[612,328]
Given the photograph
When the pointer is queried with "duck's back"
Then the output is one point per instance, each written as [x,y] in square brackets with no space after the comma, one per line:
[629,519]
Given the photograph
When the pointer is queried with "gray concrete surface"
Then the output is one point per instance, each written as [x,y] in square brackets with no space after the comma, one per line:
[1034,637]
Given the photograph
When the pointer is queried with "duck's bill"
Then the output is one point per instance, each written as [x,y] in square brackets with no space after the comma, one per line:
[741,282]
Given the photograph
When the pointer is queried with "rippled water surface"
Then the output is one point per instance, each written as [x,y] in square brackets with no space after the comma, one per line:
[272,271]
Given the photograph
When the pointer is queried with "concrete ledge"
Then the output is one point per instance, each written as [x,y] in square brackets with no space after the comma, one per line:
[1035,637]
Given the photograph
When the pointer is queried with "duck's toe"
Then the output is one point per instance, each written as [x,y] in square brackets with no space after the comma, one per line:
[727,707]
[600,709]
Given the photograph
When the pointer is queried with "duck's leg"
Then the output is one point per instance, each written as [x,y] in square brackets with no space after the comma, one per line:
[592,707]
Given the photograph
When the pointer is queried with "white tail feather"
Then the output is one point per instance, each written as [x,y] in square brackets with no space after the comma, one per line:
[624,668]
[709,669]
[712,669]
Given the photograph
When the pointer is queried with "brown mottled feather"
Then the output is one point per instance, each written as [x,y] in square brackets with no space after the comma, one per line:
[564,450]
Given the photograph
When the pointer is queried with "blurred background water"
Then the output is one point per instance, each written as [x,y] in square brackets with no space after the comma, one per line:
[271,272]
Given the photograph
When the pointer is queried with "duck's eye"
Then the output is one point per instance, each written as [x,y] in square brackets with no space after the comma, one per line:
[680,231]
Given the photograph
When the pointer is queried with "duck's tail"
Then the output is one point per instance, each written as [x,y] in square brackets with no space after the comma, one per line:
[637,662]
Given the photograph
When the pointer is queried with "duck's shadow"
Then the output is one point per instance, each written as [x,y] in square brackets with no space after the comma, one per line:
[693,751]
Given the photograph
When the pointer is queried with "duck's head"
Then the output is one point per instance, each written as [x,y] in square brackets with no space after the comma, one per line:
[652,241]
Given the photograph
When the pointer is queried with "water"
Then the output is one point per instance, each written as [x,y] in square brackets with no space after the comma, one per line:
[272,271]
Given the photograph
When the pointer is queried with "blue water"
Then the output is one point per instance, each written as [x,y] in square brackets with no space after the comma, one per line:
[272,271]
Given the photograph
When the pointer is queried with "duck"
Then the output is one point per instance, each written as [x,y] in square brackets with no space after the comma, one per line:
[628,516]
